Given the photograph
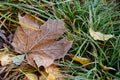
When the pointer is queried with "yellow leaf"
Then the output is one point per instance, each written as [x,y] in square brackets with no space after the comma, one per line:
[99,35]
[54,73]
[51,77]
[31,76]
[42,77]
[80,59]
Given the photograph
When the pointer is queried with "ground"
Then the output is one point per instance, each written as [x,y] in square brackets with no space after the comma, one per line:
[92,56]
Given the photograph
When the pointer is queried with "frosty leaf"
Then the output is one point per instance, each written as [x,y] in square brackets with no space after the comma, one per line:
[41,45]
[99,35]
[40,59]
[31,23]
[18,59]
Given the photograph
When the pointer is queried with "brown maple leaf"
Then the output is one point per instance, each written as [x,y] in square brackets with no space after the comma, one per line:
[40,44]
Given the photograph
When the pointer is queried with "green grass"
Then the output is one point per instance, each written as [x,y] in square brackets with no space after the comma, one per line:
[79,17]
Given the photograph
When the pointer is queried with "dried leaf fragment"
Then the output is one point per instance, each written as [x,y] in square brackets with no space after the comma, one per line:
[54,73]
[41,45]
[31,76]
[2,32]
[18,59]
[108,68]
[2,38]
[6,58]
[99,35]
[28,71]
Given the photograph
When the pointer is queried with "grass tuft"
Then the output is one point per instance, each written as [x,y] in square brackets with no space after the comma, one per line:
[79,16]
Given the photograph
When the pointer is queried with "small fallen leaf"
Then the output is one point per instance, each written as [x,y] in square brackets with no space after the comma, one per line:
[81,60]
[54,73]
[41,45]
[107,68]
[99,35]
[6,58]
[18,59]
[41,77]
[31,76]
[28,71]
[51,77]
